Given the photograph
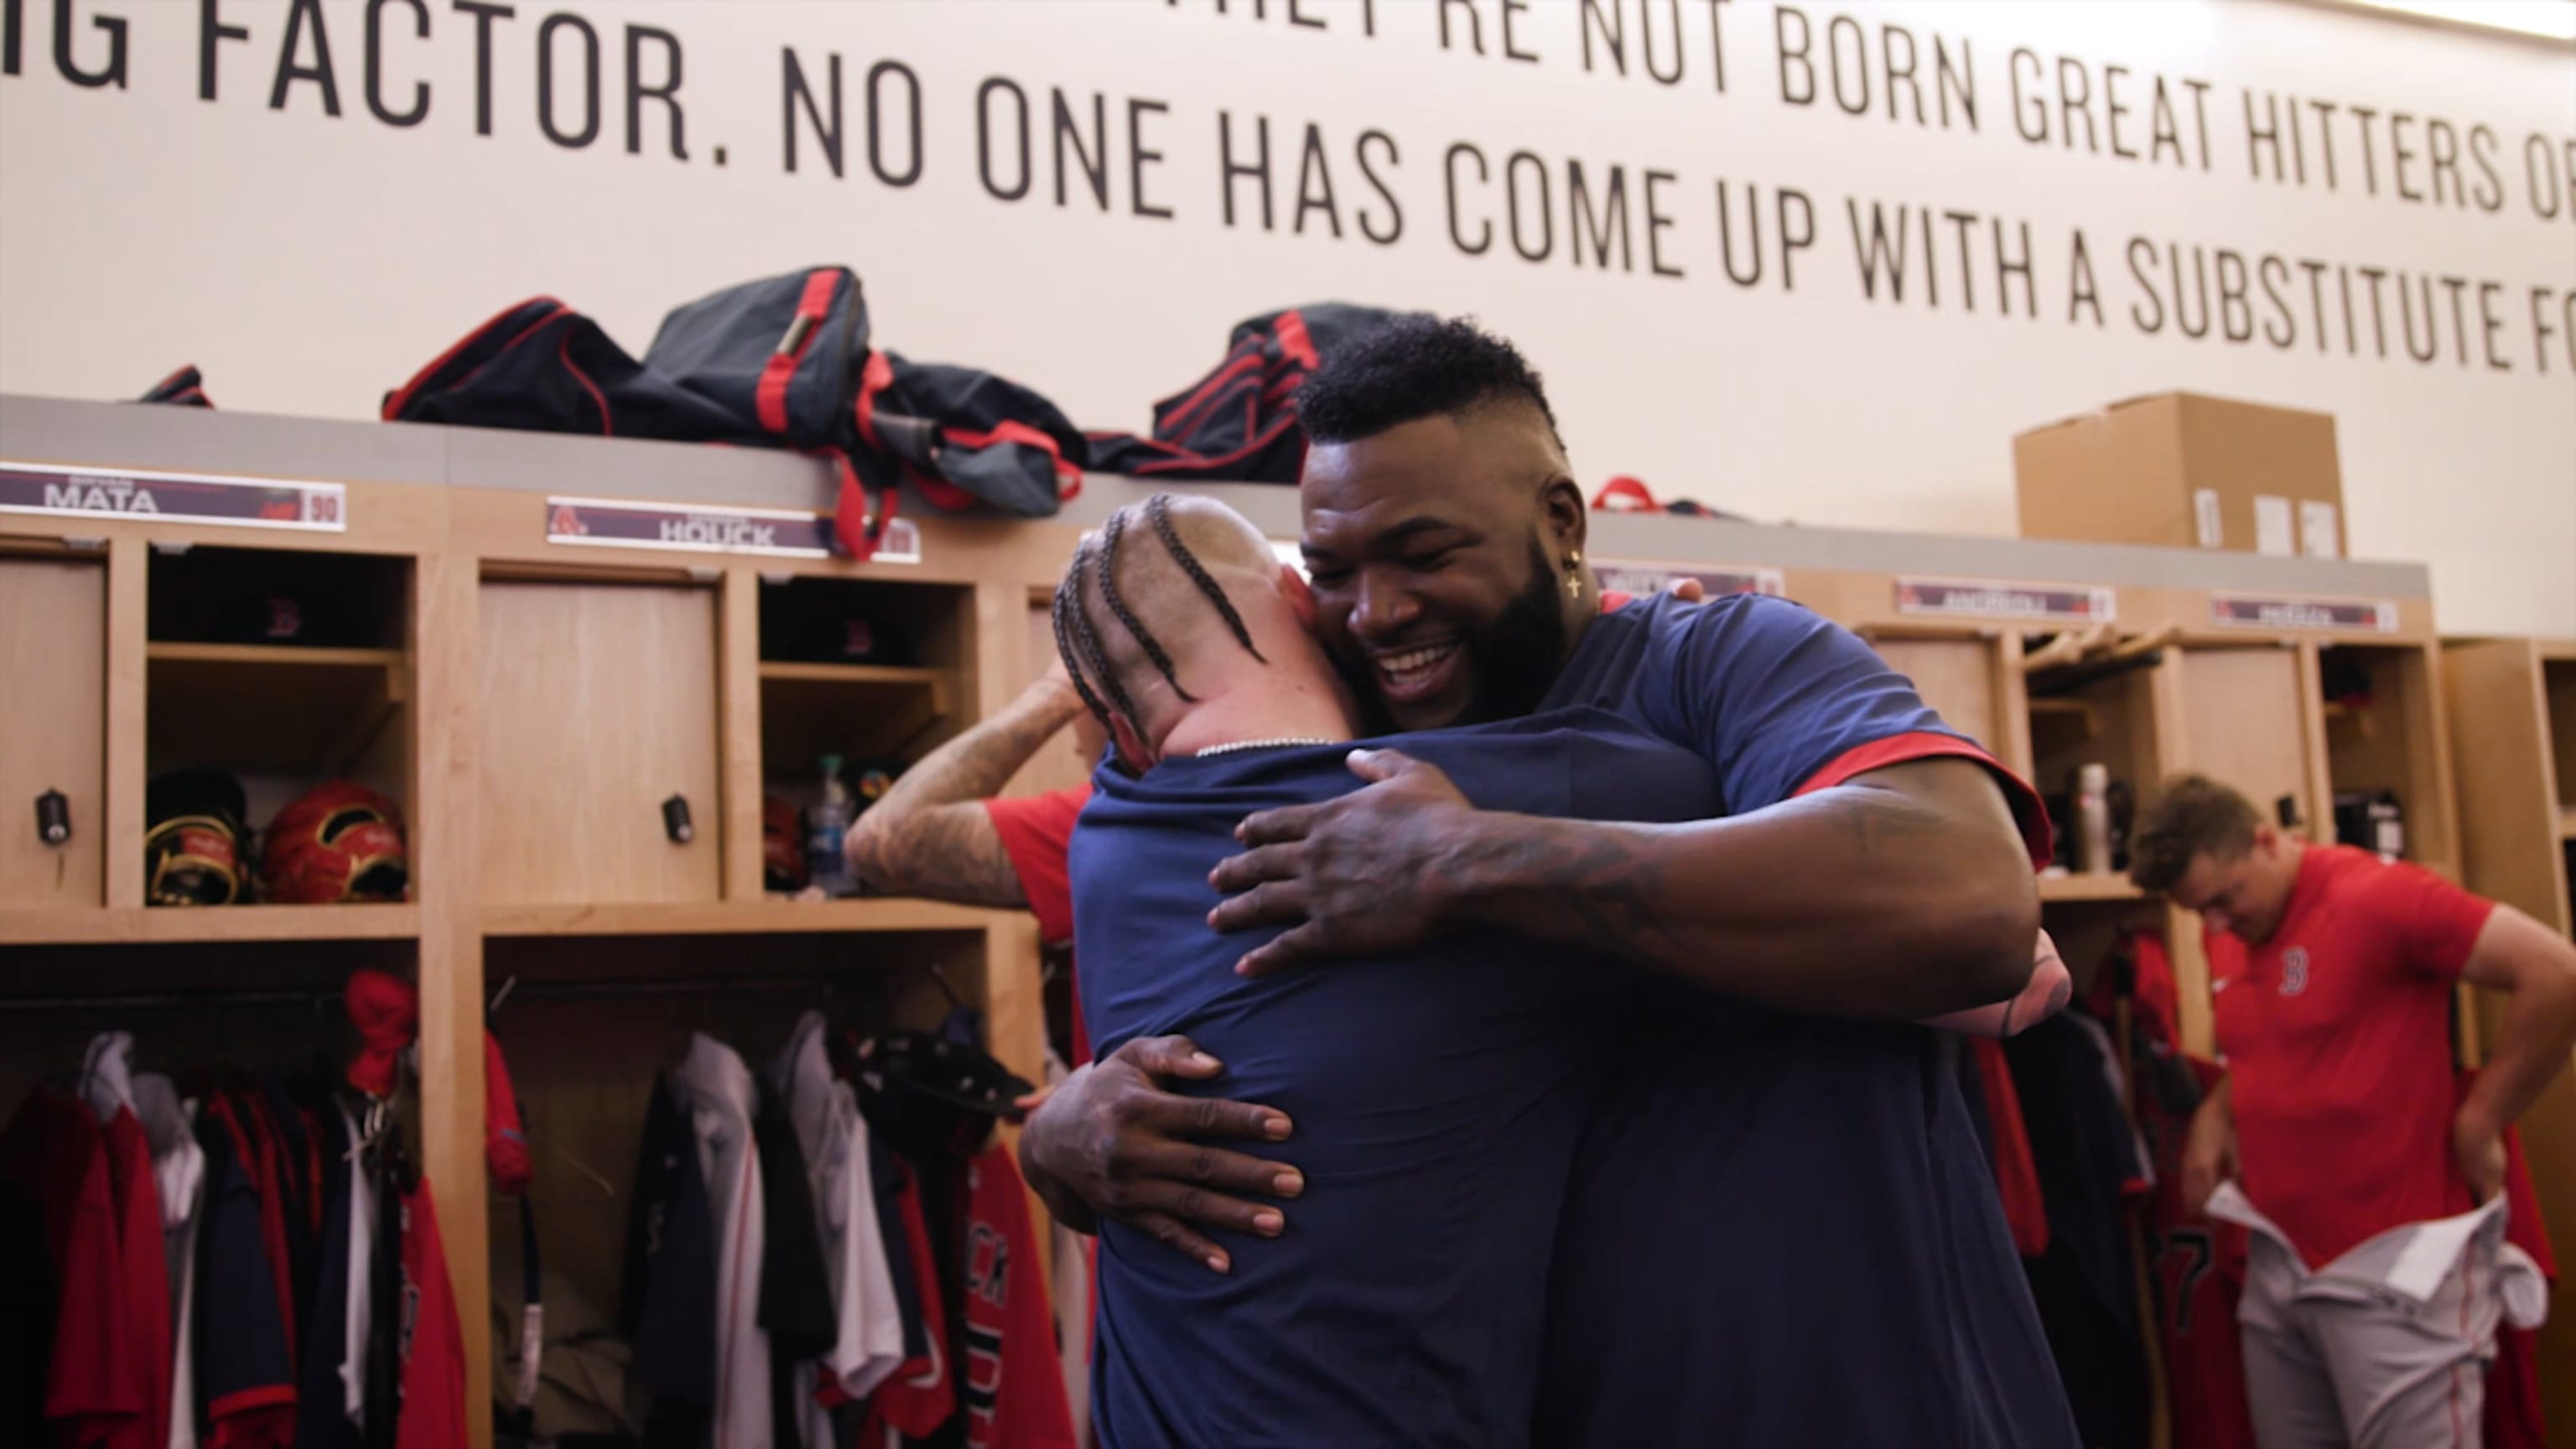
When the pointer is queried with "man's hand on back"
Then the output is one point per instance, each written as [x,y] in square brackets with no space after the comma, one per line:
[2478,1143]
[1110,1143]
[1352,876]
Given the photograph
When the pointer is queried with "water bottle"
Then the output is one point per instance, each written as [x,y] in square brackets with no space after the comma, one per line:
[827,821]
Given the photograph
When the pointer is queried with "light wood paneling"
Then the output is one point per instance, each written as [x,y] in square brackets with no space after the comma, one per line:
[444,640]
[2499,728]
[1955,676]
[128,570]
[738,729]
[598,703]
[2499,723]
[53,729]
[2243,710]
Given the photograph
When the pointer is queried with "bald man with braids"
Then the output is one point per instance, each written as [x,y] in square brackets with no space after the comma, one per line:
[1436,1096]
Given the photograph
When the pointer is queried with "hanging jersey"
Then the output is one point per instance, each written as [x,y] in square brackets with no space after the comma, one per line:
[55,1154]
[179,1175]
[321,1415]
[867,1338]
[142,1309]
[433,1343]
[922,1394]
[667,1306]
[360,1316]
[719,1092]
[2007,1140]
[1014,1397]
[245,1375]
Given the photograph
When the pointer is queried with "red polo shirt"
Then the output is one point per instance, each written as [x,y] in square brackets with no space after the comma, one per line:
[2336,1034]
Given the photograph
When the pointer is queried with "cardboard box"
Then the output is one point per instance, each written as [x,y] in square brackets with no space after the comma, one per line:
[2185,471]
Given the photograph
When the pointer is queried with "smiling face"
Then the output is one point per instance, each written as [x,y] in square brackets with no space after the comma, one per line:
[1440,552]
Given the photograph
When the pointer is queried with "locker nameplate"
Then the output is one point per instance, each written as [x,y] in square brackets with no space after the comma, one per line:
[1643,579]
[50,489]
[772,532]
[2258,611]
[1986,599]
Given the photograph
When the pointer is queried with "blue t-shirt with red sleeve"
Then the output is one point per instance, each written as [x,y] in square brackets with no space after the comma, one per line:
[1781,1229]
[1438,1096]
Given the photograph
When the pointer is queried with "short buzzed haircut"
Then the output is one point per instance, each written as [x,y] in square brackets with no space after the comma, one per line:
[1416,366]
[2195,816]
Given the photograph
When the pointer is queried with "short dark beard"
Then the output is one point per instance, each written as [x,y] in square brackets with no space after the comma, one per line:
[1518,657]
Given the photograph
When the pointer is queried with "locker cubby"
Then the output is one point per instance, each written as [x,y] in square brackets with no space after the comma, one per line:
[2380,708]
[285,669]
[263,1005]
[589,1023]
[876,673]
[2109,720]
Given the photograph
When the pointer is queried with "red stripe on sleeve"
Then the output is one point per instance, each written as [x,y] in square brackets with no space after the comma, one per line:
[1925,745]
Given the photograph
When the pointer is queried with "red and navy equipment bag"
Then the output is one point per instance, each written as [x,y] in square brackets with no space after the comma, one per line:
[1240,421]
[783,362]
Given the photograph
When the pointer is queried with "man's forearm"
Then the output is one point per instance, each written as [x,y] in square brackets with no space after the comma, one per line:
[926,836]
[1901,895]
[977,764]
[2531,1047]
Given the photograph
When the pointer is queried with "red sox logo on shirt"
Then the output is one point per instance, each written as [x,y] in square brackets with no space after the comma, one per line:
[2294,970]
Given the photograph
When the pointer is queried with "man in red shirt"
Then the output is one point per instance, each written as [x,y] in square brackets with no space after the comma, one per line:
[944,832]
[2377,1264]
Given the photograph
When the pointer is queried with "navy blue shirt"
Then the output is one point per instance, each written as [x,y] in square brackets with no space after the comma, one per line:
[1781,1230]
[1438,1100]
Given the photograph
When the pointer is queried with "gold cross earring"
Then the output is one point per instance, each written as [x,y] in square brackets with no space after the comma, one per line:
[1574,574]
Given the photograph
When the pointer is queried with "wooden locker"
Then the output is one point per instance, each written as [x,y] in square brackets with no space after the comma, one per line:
[53,727]
[598,704]
[2246,722]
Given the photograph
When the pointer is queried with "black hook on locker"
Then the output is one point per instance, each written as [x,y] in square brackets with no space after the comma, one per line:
[675,820]
[53,818]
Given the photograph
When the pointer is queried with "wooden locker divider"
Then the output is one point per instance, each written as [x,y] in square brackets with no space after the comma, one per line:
[737,818]
[446,852]
[53,727]
[2510,736]
[128,576]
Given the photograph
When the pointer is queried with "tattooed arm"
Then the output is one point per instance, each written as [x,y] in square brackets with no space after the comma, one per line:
[931,836]
[1902,893]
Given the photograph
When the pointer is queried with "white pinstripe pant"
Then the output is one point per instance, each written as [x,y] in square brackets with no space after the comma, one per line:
[2386,1347]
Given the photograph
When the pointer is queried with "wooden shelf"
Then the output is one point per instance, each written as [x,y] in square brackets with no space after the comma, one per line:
[765,917]
[269,709]
[855,673]
[856,711]
[2567,822]
[2098,886]
[281,655]
[182,924]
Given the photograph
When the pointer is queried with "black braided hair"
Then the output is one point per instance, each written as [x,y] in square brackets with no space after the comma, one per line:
[1135,627]
[1077,619]
[1067,602]
[1158,510]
